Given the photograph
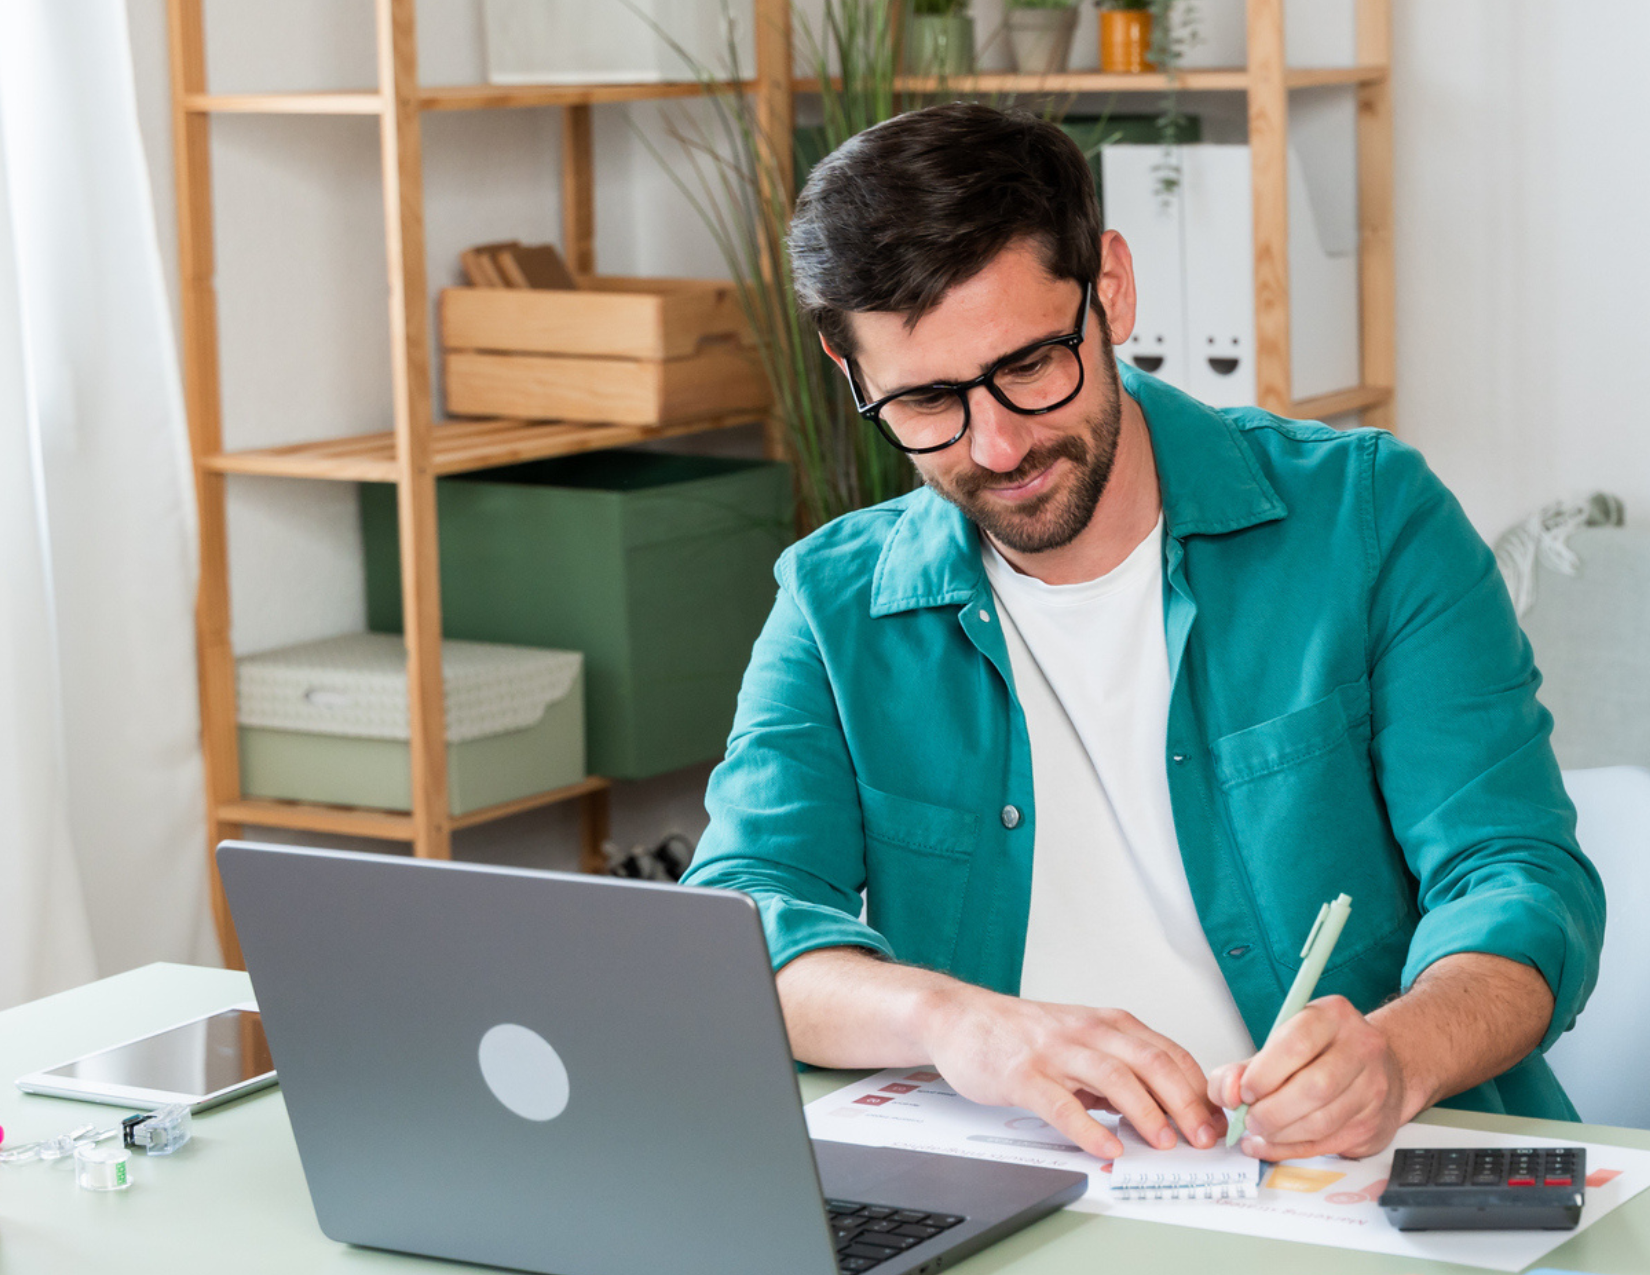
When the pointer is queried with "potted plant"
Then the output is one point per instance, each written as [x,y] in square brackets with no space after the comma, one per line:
[1126,35]
[1039,34]
[939,38]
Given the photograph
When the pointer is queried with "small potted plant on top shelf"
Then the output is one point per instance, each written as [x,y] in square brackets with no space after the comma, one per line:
[1126,35]
[939,38]
[1039,34]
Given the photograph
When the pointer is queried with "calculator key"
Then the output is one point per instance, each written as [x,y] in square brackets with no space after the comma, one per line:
[1557,1182]
[1520,1181]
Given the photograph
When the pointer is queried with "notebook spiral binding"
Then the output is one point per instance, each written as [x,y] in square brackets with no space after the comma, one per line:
[1213,1185]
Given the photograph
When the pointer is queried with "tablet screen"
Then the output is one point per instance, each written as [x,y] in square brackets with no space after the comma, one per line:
[198,1058]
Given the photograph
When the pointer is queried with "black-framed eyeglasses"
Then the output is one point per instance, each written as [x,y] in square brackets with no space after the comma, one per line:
[1035,379]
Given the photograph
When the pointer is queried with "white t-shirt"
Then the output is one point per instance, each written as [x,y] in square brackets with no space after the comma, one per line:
[1112,920]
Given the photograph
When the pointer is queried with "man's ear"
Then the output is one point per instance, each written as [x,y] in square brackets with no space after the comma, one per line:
[832,354]
[1114,289]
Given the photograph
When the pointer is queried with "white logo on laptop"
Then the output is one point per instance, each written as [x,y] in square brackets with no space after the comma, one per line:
[523,1071]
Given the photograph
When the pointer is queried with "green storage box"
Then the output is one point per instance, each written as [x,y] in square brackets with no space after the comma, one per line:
[658,567]
[327,722]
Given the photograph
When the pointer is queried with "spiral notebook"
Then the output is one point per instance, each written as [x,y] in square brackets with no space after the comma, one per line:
[1143,1172]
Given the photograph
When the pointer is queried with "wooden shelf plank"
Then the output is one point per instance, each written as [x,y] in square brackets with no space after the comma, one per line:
[1211,80]
[458,447]
[1223,79]
[1358,398]
[492,97]
[386,825]
[1319,77]
[303,816]
[364,102]
[593,783]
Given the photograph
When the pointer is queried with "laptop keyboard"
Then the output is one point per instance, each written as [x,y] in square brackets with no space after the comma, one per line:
[866,1234]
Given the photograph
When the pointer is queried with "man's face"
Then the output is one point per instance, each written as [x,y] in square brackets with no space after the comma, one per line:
[1029,482]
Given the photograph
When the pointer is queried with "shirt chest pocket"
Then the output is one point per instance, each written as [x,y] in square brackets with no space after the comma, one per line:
[917,861]
[1308,822]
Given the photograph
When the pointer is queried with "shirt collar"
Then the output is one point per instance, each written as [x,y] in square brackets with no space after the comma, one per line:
[1211,484]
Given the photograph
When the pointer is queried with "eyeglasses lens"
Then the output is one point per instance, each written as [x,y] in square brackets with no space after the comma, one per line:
[930,416]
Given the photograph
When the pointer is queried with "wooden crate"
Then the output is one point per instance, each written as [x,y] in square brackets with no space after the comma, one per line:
[621,350]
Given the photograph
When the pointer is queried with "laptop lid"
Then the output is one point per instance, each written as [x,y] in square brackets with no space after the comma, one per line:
[552,1072]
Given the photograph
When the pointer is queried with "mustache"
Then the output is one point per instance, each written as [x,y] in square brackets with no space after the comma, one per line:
[1070,448]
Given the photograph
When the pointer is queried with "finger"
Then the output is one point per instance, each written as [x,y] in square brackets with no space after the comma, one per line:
[1179,1089]
[1181,1056]
[1320,1122]
[1326,1080]
[1112,1078]
[1065,1111]
[1358,1136]
[1290,1048]
[1224,1085]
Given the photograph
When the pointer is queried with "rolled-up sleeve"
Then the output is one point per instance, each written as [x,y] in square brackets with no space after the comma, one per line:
[785,823]
[1461,747]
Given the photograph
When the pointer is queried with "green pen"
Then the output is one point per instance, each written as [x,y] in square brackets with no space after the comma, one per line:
[1326,931]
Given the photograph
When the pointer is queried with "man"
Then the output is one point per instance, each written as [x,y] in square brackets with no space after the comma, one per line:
[1099,717]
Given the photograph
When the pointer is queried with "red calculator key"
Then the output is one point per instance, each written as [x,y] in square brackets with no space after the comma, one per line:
[1520,1181]
[1558,1182]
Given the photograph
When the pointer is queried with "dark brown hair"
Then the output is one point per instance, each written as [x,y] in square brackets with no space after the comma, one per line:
[899,214]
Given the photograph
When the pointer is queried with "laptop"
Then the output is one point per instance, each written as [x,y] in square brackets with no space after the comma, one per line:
[572,1074]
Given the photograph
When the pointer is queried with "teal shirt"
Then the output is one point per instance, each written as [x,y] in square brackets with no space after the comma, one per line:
[1352,709]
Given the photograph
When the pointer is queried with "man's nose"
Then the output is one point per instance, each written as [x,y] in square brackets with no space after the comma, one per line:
[998,438]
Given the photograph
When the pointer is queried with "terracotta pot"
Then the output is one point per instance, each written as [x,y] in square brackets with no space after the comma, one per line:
[1125,40]
[1040,39]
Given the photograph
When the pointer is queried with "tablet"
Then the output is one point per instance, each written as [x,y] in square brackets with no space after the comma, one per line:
[203,1062]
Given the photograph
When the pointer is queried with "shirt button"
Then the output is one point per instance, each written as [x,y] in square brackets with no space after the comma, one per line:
[1011,816]
[1238,951]
[985,616]
[1178,758]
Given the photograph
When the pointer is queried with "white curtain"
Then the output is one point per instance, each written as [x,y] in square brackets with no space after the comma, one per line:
[102,854]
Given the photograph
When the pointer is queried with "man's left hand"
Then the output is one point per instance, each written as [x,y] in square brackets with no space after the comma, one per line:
[1328,1083]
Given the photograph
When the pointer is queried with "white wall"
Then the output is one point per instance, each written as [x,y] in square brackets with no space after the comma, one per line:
[1522,264]
[1523,192]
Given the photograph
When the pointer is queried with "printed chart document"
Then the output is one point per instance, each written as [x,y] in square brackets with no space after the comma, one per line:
[1322,1201]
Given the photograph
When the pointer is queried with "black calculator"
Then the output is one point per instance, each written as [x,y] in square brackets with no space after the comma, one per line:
[1486,1188]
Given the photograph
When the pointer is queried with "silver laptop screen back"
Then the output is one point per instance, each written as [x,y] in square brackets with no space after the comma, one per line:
[634,1086]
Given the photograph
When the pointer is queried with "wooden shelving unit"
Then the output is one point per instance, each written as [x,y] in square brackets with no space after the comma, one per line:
[420,449]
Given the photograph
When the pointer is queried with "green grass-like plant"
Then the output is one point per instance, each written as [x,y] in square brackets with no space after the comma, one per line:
[734,183]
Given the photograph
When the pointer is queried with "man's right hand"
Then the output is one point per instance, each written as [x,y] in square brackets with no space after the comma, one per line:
[845,1007]
[1056,1060]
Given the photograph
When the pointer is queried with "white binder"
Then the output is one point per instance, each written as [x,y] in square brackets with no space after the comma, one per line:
[1151,227]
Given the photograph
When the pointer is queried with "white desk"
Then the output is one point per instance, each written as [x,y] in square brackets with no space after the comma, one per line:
[235,1200]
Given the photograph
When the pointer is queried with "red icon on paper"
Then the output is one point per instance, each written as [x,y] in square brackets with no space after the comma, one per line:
[896,1087]
[1599,1177]
[873,1100]
[923,1077]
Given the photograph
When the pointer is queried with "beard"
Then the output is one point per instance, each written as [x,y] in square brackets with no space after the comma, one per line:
[1058,516]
